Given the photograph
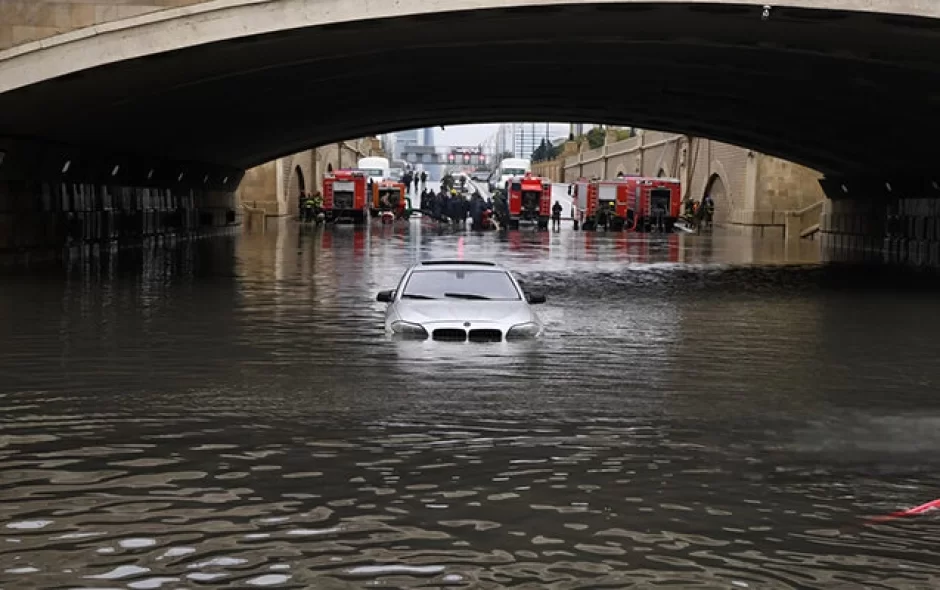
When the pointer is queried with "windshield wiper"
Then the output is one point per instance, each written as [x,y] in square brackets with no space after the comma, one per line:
[416,296]
[466,296]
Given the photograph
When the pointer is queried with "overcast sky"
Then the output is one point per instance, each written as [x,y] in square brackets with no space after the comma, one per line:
[471,135]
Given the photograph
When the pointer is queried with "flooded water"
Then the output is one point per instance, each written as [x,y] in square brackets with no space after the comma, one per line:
[702,412]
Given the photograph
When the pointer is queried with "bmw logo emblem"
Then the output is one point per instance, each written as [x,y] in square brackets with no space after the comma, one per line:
[466,324]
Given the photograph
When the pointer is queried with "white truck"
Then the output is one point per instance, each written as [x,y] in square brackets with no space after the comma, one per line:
[377,169]
[509,168]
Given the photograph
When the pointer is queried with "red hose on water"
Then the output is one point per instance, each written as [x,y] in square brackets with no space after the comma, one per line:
[935,505]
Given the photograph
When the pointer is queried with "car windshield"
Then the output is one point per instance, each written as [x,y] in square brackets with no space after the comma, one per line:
[373,171]
[513,171]
[461,284]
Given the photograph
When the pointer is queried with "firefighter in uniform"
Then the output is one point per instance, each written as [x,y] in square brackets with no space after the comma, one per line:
[309,208]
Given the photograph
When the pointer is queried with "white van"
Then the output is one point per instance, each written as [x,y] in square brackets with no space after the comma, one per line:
[378,169]
[510,167]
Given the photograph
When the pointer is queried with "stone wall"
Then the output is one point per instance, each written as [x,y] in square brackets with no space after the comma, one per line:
[752,191]
[24,21]
[785,185]
[258,188]
[275,186]
[554,170]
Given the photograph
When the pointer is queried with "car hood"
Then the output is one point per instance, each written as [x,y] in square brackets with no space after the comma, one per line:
[453,310]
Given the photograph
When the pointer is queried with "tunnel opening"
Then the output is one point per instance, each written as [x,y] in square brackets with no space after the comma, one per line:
[792,84]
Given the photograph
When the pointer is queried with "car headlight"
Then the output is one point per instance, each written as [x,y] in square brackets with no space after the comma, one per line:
[522,331]
[409,329]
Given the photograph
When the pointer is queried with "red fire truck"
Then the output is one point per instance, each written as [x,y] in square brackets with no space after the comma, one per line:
[632,202]
[656,198]
[345,196]
[578,191]
[389,195]
[529,199]
[607,204]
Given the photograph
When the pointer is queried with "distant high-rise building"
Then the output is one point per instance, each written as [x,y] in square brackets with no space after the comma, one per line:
[519,140]
[388,143]
[428,136]
[404,139]
[526,137]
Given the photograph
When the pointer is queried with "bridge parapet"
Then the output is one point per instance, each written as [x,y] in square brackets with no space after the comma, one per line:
[24,21]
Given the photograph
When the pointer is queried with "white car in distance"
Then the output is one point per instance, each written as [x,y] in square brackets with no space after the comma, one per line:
[458,301]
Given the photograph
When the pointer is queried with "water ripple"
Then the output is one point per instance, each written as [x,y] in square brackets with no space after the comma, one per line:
[228,414]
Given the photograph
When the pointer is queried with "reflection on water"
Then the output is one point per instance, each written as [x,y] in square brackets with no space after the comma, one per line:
[227,413]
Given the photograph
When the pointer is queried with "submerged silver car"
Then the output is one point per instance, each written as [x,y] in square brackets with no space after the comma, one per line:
[459,301]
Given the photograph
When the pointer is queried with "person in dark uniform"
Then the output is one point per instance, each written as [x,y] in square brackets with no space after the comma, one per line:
[309,208]
[476,212]
[556,216]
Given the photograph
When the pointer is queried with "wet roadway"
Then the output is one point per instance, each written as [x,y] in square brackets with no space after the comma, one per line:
[703,411]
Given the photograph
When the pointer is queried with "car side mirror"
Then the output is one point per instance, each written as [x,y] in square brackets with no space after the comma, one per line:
[385,296]
[535,298]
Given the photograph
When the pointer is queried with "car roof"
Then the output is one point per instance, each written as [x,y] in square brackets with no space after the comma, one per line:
[457,264]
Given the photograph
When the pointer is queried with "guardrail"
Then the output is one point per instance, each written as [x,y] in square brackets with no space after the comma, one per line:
[254,217]
[803,223]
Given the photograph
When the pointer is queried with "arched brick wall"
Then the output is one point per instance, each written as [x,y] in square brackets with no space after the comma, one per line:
[726,201]
[293,168]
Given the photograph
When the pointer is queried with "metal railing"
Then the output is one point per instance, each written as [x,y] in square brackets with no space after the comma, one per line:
[255,217]
[803,223]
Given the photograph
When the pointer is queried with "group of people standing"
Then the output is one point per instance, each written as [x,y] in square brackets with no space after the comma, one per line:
[310,205]
[449,205]
[413,177]
[701,213]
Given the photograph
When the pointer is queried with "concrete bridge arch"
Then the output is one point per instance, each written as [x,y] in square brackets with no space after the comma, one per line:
[795,83]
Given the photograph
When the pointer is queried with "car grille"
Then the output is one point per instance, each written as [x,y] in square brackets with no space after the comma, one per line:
[486,336]
[450,334]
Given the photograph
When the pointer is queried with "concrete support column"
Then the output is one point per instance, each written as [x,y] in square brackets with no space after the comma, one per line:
[315,186]
[852,231]
[752,181]
[280,183]
[641,153]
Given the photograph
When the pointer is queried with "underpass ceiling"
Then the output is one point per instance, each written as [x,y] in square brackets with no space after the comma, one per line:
[828,90]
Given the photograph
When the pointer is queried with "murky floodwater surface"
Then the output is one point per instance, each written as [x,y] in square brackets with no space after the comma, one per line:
[227,413]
